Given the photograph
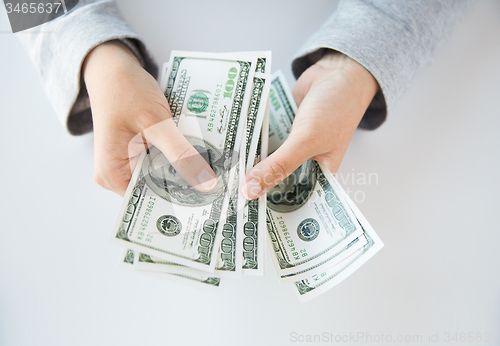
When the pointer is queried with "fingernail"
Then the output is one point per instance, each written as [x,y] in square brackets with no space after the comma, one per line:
[206,180]
[252,189]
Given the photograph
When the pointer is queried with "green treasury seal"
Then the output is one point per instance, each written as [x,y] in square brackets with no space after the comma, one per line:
[169,225]
[198,102]
[308,229]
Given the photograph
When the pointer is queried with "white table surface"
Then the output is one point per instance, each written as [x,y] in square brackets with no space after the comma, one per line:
[433,199]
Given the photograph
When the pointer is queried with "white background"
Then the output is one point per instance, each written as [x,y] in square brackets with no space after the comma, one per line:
[435,203]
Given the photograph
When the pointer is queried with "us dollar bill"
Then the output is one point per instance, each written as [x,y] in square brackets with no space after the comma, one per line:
[318,278]
[230,258]
[307,219]
[161,215]
[282,110]
[235,237]
[143,262]
[255,118]
[263,59]
[229,255]
[342,252]
[254,212]
[321,282]
[129,261]
[318,268]
[230,251]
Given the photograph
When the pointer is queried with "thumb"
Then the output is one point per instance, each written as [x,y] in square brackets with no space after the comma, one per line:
[274,169]
[186,160]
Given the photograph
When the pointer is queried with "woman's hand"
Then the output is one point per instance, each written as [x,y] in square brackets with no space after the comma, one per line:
[332,97]
[130,113]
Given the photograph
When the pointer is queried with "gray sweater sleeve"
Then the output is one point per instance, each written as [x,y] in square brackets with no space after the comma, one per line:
[390,38]
[58,49]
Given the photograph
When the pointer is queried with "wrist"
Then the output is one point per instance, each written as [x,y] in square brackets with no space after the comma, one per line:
[357,77]
[107,59]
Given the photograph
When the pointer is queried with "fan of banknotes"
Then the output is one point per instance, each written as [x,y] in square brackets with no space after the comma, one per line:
[234,112]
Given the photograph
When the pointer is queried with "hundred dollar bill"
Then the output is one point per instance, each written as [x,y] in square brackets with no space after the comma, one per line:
[255,118]
[230,257]
[309,280]
[254,213]
[307,221]
[263,63]
[263,59]
[129,261]
[340,255]
[282,111]
[204,279]
[148,263]
[229,262]
[161,215]
[337,257]
[173,269]
[321,282]
[230,251]
[249,246]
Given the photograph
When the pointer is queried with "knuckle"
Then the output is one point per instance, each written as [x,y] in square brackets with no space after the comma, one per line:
[144,122]
[148,118]
[278,170]
[182,153]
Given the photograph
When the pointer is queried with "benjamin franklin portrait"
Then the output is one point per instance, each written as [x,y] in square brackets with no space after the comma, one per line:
[295,190]
[163,179]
